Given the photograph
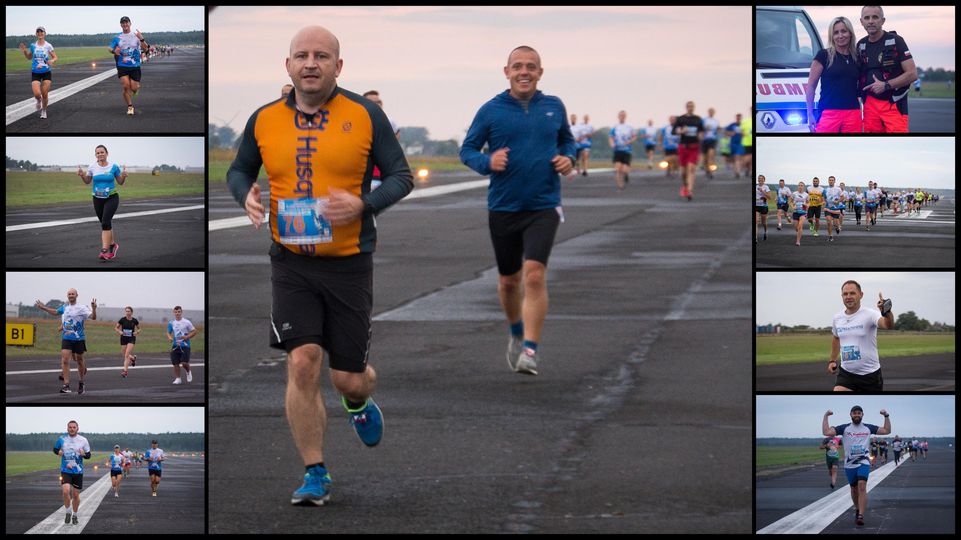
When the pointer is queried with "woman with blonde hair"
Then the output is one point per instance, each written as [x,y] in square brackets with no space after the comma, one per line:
[837,69]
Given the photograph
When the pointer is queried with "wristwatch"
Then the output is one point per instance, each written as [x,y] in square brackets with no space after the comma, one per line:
[887,86]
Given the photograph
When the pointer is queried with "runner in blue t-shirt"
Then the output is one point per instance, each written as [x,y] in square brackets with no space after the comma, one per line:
[733,130]
[72,448]
[116,463]
[42,59]
[155,458]
[855,437]
[126,48]
[73,344]
[105,176]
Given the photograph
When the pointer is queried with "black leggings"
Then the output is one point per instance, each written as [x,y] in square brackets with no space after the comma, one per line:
[857,212]
[105,210]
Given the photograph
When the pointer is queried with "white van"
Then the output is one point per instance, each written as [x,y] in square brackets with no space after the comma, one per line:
[785,42]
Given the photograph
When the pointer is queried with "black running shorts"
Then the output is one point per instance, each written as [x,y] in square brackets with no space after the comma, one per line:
[522,236]
[73,345]
[761,209]
[75,480]
[622,157]
[814,212]
[133,73]
[180,356]
[872,382]
[41,76]
[323,300]
[124,340]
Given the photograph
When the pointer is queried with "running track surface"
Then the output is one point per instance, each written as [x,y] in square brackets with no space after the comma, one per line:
[168,240]
[926,373]
[917,498]
[895,242]
[171,100]
[634,278]
[178,507]
[151,381]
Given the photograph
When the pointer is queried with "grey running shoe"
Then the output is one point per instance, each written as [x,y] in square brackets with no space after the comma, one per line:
[514,347]
[75,520]
[66,518]
[527,362]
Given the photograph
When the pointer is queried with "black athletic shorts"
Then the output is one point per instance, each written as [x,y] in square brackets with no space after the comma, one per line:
[708,144]
[41,76]
[670,152]
[75,346]
[115,473]
[814,212]
[105,209]
[180,356]
[872,382]
[127,339]
[522,236]
[154,472]
[133,73]
[760,209]
[748,150]
[785,207]
[75,480]
[323,300]
[622,157]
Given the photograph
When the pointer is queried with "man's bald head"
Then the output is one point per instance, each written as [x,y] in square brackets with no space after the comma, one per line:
[310,34]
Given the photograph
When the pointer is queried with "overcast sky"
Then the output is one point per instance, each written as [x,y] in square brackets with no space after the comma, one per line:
[801,416]
[926,162]
[59,19]
[72,151]
[106,419]
[434,66]
[927,30]
[929,294]
[114,289]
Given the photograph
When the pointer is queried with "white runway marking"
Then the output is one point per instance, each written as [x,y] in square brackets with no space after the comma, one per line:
[90,499]
[74,370]
[813,518]
[59,223]
[25,108]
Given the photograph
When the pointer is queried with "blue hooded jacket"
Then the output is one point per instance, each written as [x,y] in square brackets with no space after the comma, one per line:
[534,138]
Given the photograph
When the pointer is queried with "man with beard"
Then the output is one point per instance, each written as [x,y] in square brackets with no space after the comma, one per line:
[855,332]
[857,466]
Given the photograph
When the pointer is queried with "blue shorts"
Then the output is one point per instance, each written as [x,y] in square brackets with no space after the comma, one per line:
[856,474]
[737,149]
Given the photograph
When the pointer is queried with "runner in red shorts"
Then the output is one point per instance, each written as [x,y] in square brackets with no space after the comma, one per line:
[887,71]
[691,129]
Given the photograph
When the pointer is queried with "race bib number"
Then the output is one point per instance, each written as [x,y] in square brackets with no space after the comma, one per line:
[101,192]
[850,353]
[302,222]
[690,131]
[857,450]
[127,332]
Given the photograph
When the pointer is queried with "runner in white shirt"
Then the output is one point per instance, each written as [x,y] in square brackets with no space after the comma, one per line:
[584,140]
[761,195]
[855,438]
[650,142]
[179,332]
[621,139]
[155,458]
[855,331]
[74,341]
[832,207]
[783,208]
[845,197]
[799,199]
[871,200]
[709,146]
[72,448]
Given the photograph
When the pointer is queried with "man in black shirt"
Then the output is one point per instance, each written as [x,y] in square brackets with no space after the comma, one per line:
[691,129]
[887,71]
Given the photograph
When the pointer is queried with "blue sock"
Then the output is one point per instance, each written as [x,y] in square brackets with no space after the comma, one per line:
[517,329]
[532,345]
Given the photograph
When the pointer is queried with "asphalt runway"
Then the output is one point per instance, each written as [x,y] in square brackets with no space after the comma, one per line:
[917,498]
[648,293]
[930,115]
[171,99]
[907,241]
[154,241]
[178,507]
[151,381]
[926,373]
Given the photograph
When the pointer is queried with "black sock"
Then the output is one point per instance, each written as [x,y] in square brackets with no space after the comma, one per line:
[354,406]
[309,467]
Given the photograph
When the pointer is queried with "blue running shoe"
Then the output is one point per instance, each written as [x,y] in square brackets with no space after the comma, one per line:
[368,421]
[316,488]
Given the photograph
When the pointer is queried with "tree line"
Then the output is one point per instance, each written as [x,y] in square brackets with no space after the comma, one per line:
[906,322]
[103,442]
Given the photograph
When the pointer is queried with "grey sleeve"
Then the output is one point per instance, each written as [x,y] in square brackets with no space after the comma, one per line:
[243,171]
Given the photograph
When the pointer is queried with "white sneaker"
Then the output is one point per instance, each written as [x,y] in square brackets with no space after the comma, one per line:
[43,113]
[527,362]
[190,377]
[116,495]
[514,348]
[177,380]
[130,110]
